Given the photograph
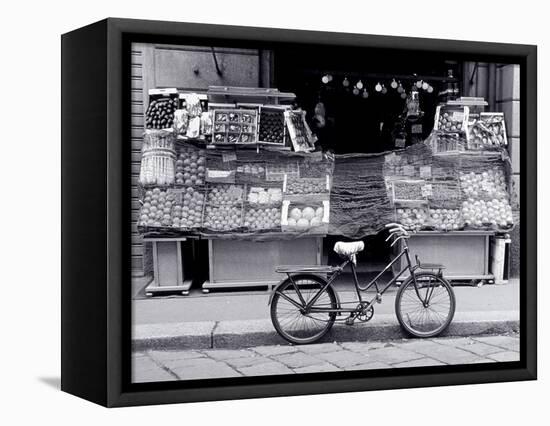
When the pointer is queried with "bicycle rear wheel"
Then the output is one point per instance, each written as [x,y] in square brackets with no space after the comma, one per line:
[287,309]
[425,305]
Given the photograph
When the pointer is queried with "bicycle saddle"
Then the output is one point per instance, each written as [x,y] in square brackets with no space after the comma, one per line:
[348,249]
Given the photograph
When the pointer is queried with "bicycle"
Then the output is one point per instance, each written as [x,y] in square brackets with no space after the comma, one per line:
[305,305]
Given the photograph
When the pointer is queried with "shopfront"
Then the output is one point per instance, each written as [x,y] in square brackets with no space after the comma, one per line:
[244,160]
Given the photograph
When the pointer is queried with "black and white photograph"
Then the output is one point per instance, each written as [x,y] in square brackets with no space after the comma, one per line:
[301,209]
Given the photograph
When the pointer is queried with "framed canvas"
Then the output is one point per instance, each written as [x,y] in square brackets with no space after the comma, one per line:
[254,212]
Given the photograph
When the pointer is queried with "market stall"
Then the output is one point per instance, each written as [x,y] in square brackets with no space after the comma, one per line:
[239,168]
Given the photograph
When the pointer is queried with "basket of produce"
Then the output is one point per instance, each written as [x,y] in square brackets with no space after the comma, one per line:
[158,158]
[451,119]
[260,196]
[155,216]
[308,217]
[410,190]
[486,185]
[493,214]
[188,209]
[235,127]
[445,219]
[301,136]
[277,172]
[262,219]
[488,132]
[250,171]
[272,129]
[190,166]
[162,105]
[445,193]
[306,186]
[224,208]
[413,218]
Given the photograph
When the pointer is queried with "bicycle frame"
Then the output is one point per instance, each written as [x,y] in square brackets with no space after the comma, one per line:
[358,289]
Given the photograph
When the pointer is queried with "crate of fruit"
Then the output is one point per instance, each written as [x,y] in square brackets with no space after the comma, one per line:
[265,195]
[162,105]
[451,119]
[155,215]
[413,218]
[190,165]
[276,172]
[224,208]
[305,217]
[410,190]
[237,126]
[488,132]
[262,219]
[443,219]
[306,188]
[272,128]
[250,171]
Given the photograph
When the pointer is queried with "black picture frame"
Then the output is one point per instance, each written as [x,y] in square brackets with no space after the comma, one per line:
[95,210]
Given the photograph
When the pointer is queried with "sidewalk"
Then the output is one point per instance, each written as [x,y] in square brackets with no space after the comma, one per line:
[153,365]
[236,320]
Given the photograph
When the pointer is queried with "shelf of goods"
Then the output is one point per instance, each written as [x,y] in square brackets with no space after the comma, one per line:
[242,263]
[465,254]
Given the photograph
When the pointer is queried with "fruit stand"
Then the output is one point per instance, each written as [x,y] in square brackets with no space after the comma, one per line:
[246,177]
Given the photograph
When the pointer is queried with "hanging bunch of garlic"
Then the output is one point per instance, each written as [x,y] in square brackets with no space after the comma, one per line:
[158,159]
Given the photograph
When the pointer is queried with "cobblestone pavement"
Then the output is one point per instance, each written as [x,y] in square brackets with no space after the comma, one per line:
[164,365]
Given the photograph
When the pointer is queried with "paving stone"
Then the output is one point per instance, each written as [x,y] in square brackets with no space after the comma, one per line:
[174,355]
[148,376]
[202,368]
[225,354]
[447,354]
[505,356]
[343,358]
[297,360]
[422,362]
[393,355]
[479,348]
[318,368]
[319,348]
[374,365]
[275,350]
[510,343]
[145,370]
[265,369]
[247,361]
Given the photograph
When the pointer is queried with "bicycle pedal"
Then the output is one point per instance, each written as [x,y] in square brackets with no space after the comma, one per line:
[350,321]
[378,298]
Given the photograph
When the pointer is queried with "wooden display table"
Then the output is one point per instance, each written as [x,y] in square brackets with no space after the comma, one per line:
[242,263]
[169,273]
[465,254]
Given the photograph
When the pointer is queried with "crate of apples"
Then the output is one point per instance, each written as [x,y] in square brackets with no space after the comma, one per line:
[190,167]
[412,218]
[188,209]
[446,219]
[156,208]
[258,219]
[224,208]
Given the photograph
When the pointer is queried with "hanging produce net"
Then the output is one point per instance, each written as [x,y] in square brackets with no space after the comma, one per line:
[359,203]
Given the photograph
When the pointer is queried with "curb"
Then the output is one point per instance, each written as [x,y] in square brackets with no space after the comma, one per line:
[249,333]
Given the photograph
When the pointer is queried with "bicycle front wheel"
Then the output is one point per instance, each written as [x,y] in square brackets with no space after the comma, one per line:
[288,309]
[425,305]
